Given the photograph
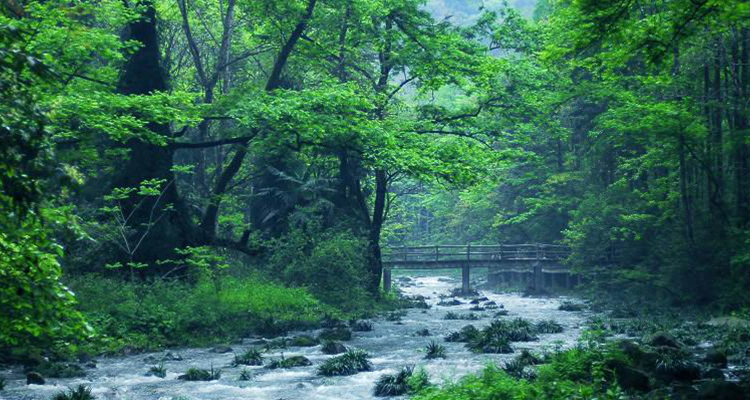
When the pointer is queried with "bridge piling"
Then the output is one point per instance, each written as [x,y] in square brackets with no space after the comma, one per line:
[465,279]
[538,276]
[387,280]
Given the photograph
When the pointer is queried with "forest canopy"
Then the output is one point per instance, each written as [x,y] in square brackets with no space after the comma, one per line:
[210,148]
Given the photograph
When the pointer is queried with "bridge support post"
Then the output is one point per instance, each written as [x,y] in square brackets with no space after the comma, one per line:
[538,276]
[465,279]
[387,280]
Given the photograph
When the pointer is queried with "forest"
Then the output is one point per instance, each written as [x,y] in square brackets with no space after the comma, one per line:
[223,190]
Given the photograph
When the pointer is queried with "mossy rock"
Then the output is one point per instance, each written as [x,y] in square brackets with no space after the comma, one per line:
[34,378]
[333,347]
[304,341]
[629,378]
[663,339]
[720,390]
[291,362]
[340,334]
[716,358]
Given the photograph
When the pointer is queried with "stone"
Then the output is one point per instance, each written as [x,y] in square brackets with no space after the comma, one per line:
[34,378]
[342,334]
[221,349]
[663,339]
[714,373]
[720,390]
[304,341]
[630,379]
[716,358]
[91,365]
[169,356]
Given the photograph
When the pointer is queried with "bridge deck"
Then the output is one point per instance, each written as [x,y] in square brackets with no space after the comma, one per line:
[442,256]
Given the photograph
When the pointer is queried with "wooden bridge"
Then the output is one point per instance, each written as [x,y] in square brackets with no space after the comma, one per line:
[537,264]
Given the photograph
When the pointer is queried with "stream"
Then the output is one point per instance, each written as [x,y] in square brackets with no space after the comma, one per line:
[391,345]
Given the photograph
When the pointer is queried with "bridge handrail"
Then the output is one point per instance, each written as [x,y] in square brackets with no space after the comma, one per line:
[469,252]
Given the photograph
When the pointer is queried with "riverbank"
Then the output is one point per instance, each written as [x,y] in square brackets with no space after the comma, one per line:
[396,340]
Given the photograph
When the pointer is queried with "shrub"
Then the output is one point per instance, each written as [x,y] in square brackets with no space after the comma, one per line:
[349,363]
[330,264]
[434,350]
[197,374]
[251,357]
[548,326]
[291,362]
[81,392]
[406,381]
[158,371]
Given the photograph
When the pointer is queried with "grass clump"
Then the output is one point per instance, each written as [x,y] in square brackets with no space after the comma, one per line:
[406,381]
[349,363]
[496,337]
[450,315]
[422,332]
[250,357]
[548,326]
[158,371]
[291,362]
[3,382]
[434,350]
[245,375]
[304,341]
[81,392]
[466,334]
[198,374]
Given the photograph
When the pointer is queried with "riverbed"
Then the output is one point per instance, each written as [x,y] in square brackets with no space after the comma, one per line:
[391,345]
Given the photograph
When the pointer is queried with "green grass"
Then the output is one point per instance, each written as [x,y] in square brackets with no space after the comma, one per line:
[197,374]
[250,357]
[158,371]
[152,316]
[81,392]
[349,363]
[405,381]
[434,350]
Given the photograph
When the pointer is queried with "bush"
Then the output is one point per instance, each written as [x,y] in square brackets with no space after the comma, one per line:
[349,363]
[251,357]
[81,392]
[330,265]
[466,334]
[197,374]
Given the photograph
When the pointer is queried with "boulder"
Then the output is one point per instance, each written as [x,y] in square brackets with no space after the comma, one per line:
[34,378]
[716,358]
[221,349]
[304,341]
[342,334]
[720,390]
[629,378]
[714,373]
[663,339]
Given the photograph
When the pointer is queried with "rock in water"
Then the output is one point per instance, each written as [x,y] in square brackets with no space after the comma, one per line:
[34,378]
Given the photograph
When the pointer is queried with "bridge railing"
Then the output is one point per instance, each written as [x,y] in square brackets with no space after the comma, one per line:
[456,253]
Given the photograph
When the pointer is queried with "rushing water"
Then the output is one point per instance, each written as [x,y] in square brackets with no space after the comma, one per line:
[390,344]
